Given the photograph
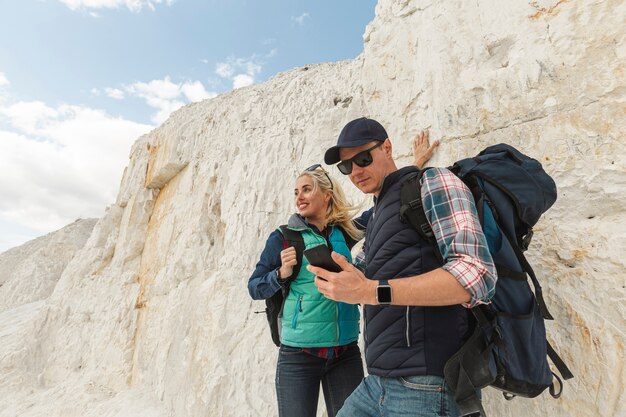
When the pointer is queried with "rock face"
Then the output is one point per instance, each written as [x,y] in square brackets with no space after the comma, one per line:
[30,272]
[152,316]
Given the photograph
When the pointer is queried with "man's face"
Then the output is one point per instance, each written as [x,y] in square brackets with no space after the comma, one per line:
[369,179]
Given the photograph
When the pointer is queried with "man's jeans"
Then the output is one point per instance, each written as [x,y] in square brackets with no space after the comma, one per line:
[414,396]
[298,377]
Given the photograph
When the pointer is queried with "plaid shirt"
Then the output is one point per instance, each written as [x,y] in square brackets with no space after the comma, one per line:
[450,209]
[332,352]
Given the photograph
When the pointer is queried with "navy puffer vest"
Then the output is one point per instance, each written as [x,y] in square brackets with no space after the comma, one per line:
[405,341]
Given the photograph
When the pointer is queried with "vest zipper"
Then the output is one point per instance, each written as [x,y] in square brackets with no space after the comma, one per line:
[365,326]
[337,321]
[408,327]
[294,322]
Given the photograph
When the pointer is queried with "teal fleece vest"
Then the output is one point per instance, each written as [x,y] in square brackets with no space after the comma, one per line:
[310,319]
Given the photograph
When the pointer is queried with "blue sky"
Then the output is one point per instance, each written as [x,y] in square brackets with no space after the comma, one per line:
[80,80]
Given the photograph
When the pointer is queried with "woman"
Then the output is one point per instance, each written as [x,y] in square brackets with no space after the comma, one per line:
[318,336]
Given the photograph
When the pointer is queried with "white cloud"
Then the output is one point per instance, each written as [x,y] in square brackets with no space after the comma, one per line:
[132,5]
[3,80]
[115,93]
[159,89]
[30,116]
[241,71]
[194,91]
[224,70]
[242,80]
[60,163]
[167,96]
[300,19]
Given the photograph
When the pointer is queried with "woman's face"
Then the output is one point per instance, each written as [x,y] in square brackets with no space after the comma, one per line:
[310,204]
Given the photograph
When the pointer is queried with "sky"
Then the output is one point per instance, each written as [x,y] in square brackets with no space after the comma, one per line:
[81,80]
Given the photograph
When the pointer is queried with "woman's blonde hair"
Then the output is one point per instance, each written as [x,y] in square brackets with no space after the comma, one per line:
[339,211]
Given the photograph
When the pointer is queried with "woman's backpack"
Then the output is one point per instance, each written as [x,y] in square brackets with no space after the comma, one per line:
[508,348]
[274,304]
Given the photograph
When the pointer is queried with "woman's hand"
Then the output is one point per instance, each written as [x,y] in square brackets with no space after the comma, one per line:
[288,260]
[422,150]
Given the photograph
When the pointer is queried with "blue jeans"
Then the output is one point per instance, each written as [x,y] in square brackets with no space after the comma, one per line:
[298,377]
[409,396]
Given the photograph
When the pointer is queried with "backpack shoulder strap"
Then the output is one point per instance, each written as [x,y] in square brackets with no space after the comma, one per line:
[293,238]
[412,210]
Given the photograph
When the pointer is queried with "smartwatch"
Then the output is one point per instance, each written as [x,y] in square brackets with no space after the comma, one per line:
[383,292]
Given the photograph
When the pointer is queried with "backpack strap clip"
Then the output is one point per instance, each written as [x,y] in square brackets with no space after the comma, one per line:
[408,207]
[525,244]
[497,338]
[415,204]
[427,231]
[508,396]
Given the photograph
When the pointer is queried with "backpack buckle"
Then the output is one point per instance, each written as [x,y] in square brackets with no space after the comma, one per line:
[526,240]
[427,230]
[415,204]
[497,338]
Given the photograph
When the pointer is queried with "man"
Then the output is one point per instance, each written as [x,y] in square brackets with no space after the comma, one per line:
[413,306]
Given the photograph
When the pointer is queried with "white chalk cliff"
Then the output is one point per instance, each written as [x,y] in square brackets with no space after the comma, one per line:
[152,316]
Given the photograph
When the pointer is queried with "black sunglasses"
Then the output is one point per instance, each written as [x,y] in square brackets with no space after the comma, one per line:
[316,166]
[362,159]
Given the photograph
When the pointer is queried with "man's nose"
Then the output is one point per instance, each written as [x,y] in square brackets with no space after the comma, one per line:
[356,170]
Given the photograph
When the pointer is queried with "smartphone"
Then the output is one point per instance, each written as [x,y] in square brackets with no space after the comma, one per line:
[320,256]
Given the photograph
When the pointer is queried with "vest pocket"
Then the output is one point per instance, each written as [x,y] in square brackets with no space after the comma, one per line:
[294,322]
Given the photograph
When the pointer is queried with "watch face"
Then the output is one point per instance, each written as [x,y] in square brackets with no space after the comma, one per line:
[383,294]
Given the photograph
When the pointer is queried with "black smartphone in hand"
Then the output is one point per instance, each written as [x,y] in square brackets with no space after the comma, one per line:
[320,256]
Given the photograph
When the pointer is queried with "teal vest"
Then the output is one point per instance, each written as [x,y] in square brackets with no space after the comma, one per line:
[310,319]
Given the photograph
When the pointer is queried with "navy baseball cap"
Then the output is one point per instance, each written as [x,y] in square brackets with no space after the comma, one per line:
[356,133]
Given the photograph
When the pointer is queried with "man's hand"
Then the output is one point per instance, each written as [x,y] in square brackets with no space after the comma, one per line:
[422,150]
[349,286]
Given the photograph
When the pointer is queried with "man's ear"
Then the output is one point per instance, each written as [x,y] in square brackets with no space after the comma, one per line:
[388,148]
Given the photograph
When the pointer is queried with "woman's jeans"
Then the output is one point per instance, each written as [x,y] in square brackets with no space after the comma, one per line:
[298,377]
[410,396]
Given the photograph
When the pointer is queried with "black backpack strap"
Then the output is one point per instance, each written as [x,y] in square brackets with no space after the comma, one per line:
[412,210]
[293,238]
[563,370]
[274,305]
[558,362]
[529,270]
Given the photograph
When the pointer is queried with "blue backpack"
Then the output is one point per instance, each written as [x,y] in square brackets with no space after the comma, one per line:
[508,348]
